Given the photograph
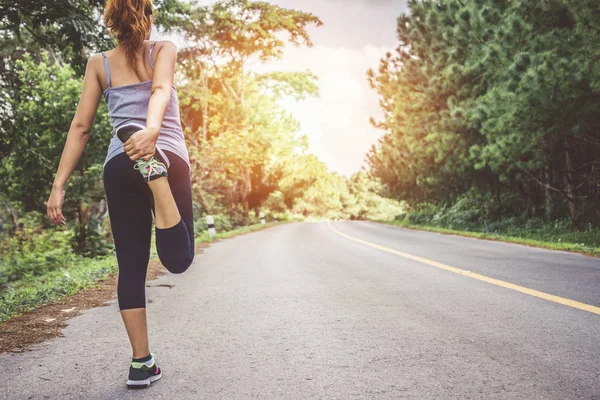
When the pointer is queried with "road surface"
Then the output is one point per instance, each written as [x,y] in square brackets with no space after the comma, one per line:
[304,311]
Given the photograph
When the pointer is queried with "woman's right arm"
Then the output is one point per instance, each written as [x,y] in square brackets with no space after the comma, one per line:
[77,138]
[143,143]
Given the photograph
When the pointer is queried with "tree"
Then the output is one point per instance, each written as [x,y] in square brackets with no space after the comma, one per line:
[233,120]
[495,95]
[68,31]
[44,109]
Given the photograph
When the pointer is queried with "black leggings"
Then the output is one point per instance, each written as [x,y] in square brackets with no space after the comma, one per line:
[130,208]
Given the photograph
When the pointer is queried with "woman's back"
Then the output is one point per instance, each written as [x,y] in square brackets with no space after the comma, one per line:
[128,97]
[122,71]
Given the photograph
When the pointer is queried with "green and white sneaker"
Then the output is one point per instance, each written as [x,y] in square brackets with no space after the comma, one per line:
[152,168]
[142,374]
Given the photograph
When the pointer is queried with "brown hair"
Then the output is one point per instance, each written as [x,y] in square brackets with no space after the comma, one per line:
[129,21]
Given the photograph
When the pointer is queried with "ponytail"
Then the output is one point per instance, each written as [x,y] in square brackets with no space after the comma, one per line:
[129,21]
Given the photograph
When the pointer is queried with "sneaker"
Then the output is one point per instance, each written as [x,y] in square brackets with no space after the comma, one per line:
[152,168]
[141,375]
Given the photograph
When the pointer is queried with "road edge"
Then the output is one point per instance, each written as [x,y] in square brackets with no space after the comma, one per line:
[490,237]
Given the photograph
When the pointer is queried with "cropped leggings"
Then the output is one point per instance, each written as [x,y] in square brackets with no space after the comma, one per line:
[130,208]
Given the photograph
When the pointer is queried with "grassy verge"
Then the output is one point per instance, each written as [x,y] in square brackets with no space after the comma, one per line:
[32,291]
[206,238]
[584,242]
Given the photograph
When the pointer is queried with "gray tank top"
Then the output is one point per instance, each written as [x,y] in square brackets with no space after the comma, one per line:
[129,103]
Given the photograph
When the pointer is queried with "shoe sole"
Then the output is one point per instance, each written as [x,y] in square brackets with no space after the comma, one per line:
[124,131]
[143,384]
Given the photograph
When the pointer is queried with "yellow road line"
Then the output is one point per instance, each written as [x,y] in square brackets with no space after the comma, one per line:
[497,282]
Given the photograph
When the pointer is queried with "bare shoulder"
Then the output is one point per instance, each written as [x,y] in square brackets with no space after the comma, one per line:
[95,60]
[166,45]
[95,64]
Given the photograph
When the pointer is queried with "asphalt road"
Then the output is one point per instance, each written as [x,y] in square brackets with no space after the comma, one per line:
[301,312]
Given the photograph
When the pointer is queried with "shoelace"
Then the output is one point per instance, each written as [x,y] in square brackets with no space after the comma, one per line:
[150,167]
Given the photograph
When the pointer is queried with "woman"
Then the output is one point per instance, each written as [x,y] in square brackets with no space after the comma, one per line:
[148,173]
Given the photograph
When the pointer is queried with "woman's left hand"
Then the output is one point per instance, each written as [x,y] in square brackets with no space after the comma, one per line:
[141,144]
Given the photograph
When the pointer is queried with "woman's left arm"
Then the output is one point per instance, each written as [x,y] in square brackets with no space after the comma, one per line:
[77,138]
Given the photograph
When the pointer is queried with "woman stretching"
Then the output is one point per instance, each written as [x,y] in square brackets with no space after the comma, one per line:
[146,170]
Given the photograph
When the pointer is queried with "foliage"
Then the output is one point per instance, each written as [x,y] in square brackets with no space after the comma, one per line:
[237,30]
[309,189]
[480,215]
[368,203]
[496,96]
[64,30]
[41,114]
[65,27]
[29,255]
[223,223]
[237,132]
[31,292]
[32,251]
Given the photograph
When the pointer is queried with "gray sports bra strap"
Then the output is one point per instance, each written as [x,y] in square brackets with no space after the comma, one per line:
[106,70]
[150,54]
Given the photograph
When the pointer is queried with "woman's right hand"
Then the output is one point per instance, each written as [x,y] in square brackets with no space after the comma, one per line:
[55,203]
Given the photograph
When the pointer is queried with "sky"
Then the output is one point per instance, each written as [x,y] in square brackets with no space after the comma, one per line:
[355,35]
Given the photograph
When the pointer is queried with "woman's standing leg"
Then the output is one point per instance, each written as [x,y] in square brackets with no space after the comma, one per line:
[129,206]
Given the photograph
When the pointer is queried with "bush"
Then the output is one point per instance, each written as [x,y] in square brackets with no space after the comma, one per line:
[222,223]
[472,210]
[29,292]
[420,214]
[482,214]
[274,203]
[281,217]
[29,253]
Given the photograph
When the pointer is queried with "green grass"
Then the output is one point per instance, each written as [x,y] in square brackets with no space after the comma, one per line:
[206,238]
[32,291]
[550,237]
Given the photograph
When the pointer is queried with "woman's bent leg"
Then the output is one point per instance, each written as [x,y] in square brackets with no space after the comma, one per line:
[166,211]
[175,243]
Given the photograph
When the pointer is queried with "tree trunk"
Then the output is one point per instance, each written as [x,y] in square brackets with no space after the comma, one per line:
[83,217]
[99,209]
[242,89]
[536,201]
[246,190]
[548,200]
[570,184]
[202,201]
[14,215]
[205,111]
